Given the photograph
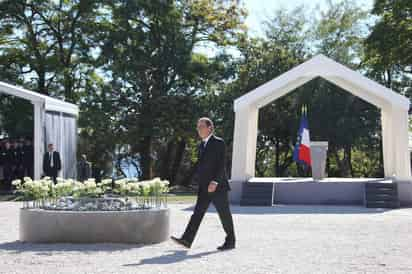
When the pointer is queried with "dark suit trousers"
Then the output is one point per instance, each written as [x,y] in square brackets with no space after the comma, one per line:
[52,173]
[221,202]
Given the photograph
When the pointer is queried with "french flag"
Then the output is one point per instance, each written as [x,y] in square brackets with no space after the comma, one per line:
[301,153]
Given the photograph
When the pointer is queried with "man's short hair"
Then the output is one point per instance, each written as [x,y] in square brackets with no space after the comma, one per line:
[207,121]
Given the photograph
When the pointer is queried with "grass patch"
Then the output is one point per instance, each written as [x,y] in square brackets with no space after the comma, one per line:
[171,198]
[9,198]
[181,198]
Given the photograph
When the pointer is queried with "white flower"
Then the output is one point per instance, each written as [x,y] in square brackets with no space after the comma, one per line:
[106,181]
[16,182]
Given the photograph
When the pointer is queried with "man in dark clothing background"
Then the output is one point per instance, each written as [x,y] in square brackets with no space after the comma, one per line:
[51,163]
[210,174]
[8,161]
[84,169]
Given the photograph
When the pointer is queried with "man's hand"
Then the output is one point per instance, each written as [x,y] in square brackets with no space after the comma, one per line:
[212,187]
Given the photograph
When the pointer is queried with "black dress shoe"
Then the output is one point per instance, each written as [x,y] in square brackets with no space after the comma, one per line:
[181,241]
[226,246]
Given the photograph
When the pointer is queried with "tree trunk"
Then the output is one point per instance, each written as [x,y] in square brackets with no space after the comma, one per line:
[146,126]
[165,170]
[41,82]
[277,164]
[177,161]
[68,84]
[338,163]
[146,151]
[347,161]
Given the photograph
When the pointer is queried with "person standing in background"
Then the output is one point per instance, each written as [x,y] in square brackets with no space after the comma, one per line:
[51,163]
[84,169]
[8,162]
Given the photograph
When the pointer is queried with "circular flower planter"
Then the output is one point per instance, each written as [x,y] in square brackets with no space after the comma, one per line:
[129,226]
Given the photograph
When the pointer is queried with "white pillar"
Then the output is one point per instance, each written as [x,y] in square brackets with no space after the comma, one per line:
[395,141]
[400,143]
[38,138]
[387,140]
[244,149]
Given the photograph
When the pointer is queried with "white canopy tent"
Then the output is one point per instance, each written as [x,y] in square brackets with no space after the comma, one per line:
[394,114]
[55,121]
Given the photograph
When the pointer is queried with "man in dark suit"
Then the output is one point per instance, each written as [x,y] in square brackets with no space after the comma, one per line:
[210,174]
[84,169]
[51,163]
[8,160]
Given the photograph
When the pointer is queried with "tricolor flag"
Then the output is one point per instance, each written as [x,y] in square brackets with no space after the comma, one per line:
[301,153]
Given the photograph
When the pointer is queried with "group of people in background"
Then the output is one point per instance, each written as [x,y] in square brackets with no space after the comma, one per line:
[52,165]
[16,160]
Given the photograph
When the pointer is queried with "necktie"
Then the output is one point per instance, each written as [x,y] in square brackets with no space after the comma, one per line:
[202,148]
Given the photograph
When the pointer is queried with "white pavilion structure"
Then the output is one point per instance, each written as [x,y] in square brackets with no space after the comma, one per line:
[55,121]
[393,106]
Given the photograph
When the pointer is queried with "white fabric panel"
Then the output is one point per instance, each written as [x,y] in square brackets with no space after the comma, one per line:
[61,130]
[69,139]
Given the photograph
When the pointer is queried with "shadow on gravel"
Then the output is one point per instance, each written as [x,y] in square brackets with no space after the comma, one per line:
[173,256]
[297,209]
[51,249]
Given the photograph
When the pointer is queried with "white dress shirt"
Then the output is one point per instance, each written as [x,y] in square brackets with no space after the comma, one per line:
[207,139]
[51,158]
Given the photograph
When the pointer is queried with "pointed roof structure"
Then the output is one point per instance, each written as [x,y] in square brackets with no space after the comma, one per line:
[322,66]
[49,103]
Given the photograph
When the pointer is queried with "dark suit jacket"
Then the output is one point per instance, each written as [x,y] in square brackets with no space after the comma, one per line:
[211,165]
[57,165]
[28,155]
[84,170]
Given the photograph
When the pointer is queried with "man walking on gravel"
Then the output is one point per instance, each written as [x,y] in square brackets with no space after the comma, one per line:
[211,177]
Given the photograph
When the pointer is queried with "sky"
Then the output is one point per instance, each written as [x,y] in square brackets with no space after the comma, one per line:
[259,10]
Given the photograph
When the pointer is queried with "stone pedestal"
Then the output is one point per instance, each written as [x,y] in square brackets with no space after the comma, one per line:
[318,152]
[134,226]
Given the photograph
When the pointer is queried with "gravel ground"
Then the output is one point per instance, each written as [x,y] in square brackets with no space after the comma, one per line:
[280,239]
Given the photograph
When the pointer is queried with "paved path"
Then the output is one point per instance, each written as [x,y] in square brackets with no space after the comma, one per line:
[281,239]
